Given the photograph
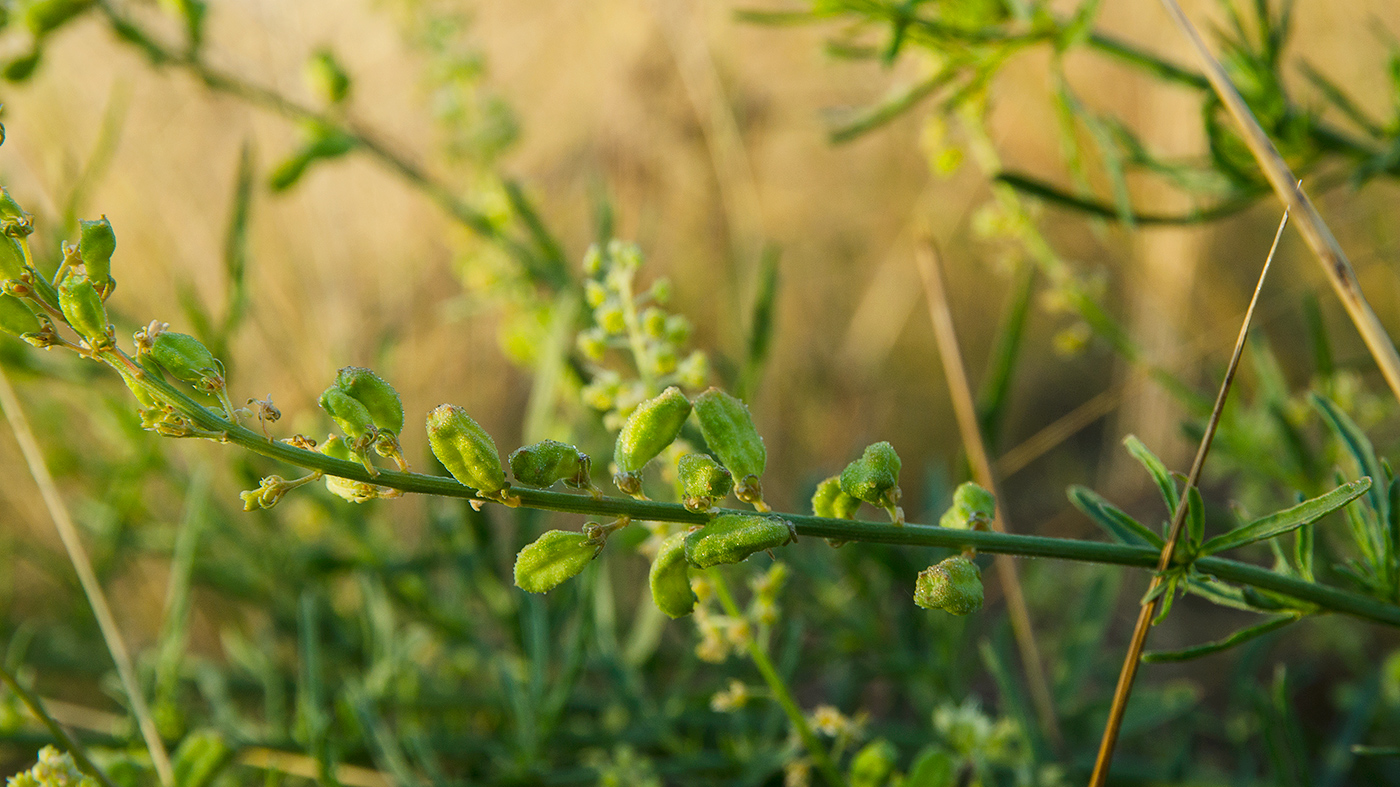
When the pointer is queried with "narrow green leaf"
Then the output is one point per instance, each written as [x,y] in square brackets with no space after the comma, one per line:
[761,322]
[1122,527]
[1158,471]
[1195,518]
[1359,446]
[554,266]
[1238,638]
[1304,513]
[236,252]
[1006,350]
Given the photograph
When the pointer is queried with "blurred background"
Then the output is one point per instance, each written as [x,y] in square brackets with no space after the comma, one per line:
[709,138]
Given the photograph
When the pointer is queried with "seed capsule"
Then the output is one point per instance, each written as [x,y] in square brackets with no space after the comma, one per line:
[874,478]
[345,488]
[378,397]
[466,450]
[551,559]
[549,461]
[648,430]
[729,431]
[16,318]
[830,502]
[11,258]
[703,482]
[83,309]
[731,538]
[187,359]
[954,586]
[96,242]
[670,579]
[349,414]
[973,507]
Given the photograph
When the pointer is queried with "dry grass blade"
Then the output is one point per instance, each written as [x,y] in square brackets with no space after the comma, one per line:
[966,410]
[58,511]
[1315,231]
[1149,608]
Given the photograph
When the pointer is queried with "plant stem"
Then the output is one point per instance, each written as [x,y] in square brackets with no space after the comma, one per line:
[61,735]
[779,688]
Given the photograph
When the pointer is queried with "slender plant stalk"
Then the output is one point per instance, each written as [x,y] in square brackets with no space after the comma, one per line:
[1149,608]
[779,689]
[1315,231]
[68,742]
[77,553]
[927,261]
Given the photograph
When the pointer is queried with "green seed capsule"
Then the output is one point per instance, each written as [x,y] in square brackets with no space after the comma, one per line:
[344,488]
[874,478]
[96,242]
[466,450]
[378,397]
[549,461]
[729,431]
[16,318]
[9,209]
[670,579]
[648,430]
[954,586]
[731,538]
[551,559]
[830,502]
[703,481]
[187,359]
[11,258]
[972,506]
[349,414]
[83,309]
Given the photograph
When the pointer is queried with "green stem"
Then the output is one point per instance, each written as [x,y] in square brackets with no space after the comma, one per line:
[779,688]
[61,735]
[1324,597]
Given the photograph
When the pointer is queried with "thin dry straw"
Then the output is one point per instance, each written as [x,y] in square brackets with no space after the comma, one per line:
[1149,608]
[1315,231]
[58,511]
[961,392]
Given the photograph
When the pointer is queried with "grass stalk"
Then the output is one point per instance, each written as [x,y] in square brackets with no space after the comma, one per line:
[1315,231]
[927,261]
[1149,608]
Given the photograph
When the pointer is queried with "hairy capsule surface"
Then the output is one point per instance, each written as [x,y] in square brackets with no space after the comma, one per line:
[731,538]
[552,558]
[466,450]
[670,579]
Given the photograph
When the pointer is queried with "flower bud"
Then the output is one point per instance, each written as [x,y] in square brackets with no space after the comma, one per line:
[972,507]
[670,579]
[610,318]
[703,482]
[654,323]
[16,318]
[378,397]
[874,478]
[729,431]
[344,488]
[543,464]
[466,450]
[652,426]
[349,414]
[694,371]
[187,359]
[731,538]
[830,502]
[954,586]
[593,343]
[326,77]
[551,559]
[96,242]
[594,293]
[83,309]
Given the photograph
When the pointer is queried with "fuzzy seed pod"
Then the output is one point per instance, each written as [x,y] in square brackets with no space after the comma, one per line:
[830,502]
[378,397]
[349,414]
[466,450]
[729,431]
[344,488]
[648,430]
[96,242]
[187,359]
[549,461]
[670,579]
[552,558]
[16,318]
[83,308]
[954,586]
[703,482]
[972,506]
[874,478]
[731,538]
